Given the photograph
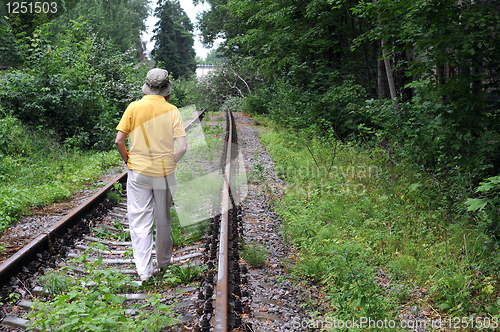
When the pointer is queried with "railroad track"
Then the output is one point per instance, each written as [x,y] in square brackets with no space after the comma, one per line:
[99,264]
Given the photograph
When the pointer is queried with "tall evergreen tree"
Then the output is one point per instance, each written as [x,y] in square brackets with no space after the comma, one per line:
[174,39]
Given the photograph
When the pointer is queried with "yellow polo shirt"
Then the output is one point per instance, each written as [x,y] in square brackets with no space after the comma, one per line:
[152,123]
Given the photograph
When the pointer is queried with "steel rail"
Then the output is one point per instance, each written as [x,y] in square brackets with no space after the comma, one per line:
[221,300]
[199,117]
[14,264]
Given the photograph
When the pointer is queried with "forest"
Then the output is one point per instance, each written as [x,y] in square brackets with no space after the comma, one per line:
[408,87]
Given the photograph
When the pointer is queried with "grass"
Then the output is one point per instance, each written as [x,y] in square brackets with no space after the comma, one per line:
[254,254]
[188,273]
[56,282]
[35,170]
[114,197]
[366,214]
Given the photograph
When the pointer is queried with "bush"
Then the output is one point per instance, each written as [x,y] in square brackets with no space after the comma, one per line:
[255,254]
[77,87]
[437,136]
[487,205]
[14,138]
[9,52]
[299,107]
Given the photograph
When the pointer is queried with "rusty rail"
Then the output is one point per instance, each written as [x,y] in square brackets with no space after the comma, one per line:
[221,301]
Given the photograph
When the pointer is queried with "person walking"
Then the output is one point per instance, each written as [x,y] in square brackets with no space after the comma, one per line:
[153,124]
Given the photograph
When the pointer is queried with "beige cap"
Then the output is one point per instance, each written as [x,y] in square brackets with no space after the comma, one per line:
[157,83]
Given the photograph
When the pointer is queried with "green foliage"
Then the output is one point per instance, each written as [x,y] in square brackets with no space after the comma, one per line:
[9,51]
[213,57]
[188,273]
[93,304]
[76,86]
[437,136]
[185,235]
[56,282]
[287,38]
[489,204]
[120,22]
[114,197]
[104,233]
[34,160]
[254,254]
[319,60]
[233,103]
[218,22]
[15,26]
[174,40]
[366,217]
[352,283]
[14,137]
[122,235]
[461,35]
[118,187]
[14,297]
[288,104]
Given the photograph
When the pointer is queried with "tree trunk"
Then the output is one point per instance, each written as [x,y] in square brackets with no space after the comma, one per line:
[388,70]
[382,84]
[390,77]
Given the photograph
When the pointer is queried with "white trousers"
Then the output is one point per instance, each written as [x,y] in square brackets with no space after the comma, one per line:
[148,200]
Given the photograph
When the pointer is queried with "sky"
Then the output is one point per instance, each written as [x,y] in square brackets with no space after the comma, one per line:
[191,11]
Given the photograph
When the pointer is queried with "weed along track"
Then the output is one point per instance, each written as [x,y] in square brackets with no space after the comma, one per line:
[227,271]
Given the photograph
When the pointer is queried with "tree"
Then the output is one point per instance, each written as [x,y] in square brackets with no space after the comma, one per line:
[213,57]
[302,40]
[174,40]
[14,26]
[119,21]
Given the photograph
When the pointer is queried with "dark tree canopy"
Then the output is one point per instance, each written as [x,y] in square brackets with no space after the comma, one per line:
[174,40]
[120,21]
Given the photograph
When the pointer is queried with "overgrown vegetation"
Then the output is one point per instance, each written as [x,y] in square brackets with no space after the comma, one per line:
[254,254]
[94,303]
[75,87]
[174,40]
[393,157]
[182,235]
[119,234]
[419,79]
[66,79]
[363,218]
[36,170]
